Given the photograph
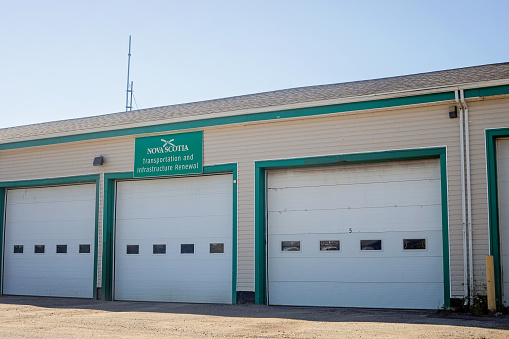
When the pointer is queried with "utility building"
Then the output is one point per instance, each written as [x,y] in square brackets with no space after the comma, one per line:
[378,193]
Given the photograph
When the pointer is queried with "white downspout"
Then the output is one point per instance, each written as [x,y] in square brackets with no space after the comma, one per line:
[463,200]
[469,194]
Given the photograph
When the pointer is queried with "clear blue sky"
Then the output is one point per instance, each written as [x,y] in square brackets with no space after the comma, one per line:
[68,59]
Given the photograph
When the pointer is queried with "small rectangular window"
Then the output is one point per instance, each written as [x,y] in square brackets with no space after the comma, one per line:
[39,249]
[371,245]
[61,248]
[329,245]
[159,249]
[414,244]
[288,246]
[84,248]
[217,248]
[186,248]
[18,248]
[133,249]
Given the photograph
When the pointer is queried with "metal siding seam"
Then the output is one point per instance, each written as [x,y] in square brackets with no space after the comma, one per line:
[393,155]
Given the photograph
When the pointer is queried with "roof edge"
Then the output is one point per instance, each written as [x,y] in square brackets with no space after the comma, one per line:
[266,109]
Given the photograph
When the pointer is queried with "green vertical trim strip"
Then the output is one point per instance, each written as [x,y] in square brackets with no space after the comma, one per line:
[110,180]
[260,236]
[81,179]
[445,230]
[493,201]
[2,221]
[274,115]
[260,202]
[108,222]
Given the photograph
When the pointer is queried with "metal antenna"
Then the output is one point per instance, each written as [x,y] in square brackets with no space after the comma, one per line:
[129,104]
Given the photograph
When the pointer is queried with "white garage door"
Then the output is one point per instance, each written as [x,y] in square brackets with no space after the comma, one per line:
[174,240]
[367,235]
[49,241]
[503,176]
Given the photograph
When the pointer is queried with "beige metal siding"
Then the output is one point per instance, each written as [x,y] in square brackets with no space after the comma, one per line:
[420,127]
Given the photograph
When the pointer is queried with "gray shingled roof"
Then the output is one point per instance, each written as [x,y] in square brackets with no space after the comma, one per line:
[267,99]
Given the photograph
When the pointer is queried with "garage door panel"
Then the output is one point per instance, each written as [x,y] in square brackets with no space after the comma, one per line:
[181,187]
[503,194]
[59,194]
[42,271]
[151,208]
[65,211]
[50,216]
[368,220]
[189,283]
[357,269]
[191,292]
[55,229]
[388,202]
[397,295]
[375,195]
[181,270]
[176,211]
[69,290]
[191,226]
[355,174]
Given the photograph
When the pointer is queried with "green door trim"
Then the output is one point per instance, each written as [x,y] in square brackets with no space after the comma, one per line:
[260,203]
[493,202]
[110,180]
[81,179]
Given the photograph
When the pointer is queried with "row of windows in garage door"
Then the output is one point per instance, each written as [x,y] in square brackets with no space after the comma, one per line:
[365,245]
[62,249]
[184,248]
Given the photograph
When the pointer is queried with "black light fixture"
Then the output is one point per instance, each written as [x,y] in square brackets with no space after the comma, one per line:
[98,161]
[453,112]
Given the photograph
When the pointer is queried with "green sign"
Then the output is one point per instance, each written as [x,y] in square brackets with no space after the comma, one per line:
[174,154]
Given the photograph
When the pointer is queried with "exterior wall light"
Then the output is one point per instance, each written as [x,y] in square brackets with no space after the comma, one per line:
[98,161]
[453,112]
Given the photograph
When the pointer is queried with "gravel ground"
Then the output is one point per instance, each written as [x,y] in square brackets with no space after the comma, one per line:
[37,317]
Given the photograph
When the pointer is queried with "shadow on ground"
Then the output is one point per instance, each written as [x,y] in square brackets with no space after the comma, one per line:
[319,314]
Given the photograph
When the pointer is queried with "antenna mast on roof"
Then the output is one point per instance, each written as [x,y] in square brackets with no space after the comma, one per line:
[129,91]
